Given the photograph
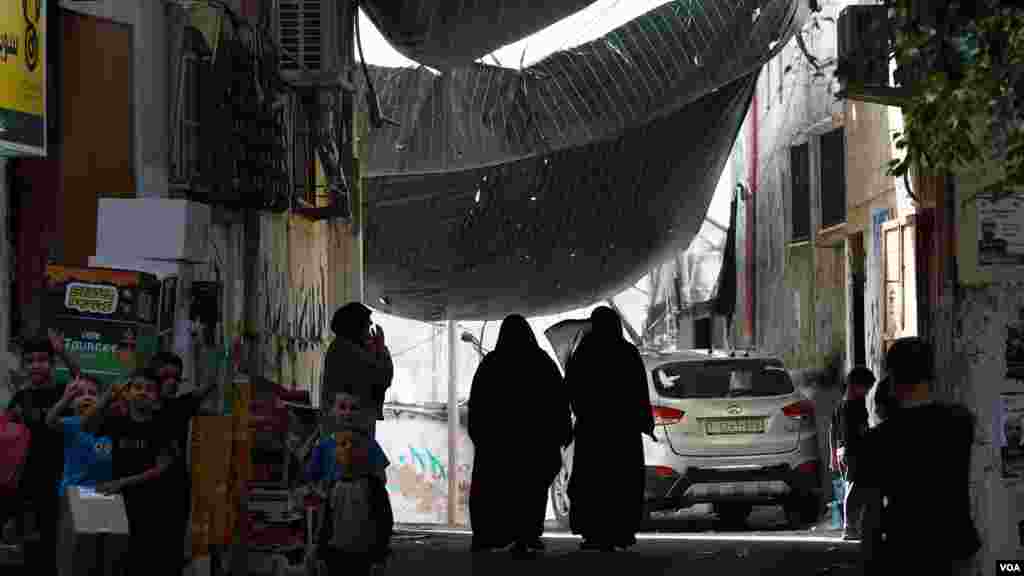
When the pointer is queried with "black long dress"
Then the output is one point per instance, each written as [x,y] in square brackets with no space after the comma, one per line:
[518,421]
[607,384]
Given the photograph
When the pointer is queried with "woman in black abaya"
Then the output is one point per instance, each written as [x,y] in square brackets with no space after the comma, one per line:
[518,422]
[607,385]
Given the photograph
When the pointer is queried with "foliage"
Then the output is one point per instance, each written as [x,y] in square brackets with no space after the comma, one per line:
[965,110]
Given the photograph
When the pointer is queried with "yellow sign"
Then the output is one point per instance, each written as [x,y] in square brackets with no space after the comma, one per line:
[91,298]
[23,77]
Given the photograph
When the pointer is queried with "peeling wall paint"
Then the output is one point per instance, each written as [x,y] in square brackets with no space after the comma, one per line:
[975,373]
[800,291]
[293,314]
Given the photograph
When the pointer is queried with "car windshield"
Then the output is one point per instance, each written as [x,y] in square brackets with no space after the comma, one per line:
[721,380]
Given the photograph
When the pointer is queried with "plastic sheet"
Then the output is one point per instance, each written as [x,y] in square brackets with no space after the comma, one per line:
[544,189]
[450,33]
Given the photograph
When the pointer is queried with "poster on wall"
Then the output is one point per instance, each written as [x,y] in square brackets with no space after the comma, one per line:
[1010,421]
[1015,347]
[23,78]
[1001,230]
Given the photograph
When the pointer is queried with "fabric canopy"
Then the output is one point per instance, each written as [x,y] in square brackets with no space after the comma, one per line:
[544,189]
[444,34]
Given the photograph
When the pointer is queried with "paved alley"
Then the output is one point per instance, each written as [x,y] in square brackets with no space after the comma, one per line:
[418,553]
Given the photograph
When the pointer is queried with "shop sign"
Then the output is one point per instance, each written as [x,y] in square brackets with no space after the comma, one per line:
[23,78]
[91,298]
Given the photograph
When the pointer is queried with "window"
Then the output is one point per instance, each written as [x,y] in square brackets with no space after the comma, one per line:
[800,171]
[899,296]
[185,164]
[833,178]
[746,379]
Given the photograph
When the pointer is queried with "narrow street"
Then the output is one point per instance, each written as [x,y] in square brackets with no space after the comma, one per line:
[694,554]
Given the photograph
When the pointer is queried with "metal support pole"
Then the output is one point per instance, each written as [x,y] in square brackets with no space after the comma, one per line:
[240,549]
[453,426]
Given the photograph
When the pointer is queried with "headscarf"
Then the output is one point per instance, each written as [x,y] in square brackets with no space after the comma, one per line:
[607,325]
[350,320]
[515,334]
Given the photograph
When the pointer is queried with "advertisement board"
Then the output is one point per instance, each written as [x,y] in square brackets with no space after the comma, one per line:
[23,78]
[108,318]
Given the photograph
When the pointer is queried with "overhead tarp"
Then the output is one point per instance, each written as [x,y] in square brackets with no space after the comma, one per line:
[444,34]
[544,189]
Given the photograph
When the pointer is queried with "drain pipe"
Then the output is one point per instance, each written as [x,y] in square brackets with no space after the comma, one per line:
[453,427]
[751,299]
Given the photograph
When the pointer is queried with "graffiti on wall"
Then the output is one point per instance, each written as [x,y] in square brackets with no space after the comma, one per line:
[416,443]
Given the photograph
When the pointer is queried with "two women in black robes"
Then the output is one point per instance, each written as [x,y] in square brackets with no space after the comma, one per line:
[518,422]
[607,384]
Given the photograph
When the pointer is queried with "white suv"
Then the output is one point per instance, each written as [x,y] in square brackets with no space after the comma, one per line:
[732,431]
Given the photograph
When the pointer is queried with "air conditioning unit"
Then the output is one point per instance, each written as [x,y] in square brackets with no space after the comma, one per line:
[309,39]
[863,47]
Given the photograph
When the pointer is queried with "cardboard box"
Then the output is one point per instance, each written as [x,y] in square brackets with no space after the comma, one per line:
[94,533]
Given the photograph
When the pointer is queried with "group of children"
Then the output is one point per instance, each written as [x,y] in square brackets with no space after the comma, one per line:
[130,439]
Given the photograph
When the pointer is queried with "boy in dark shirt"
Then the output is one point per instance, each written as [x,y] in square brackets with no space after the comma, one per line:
[849,425]
[45,461]
[176,412]
[142,453]
[922,439]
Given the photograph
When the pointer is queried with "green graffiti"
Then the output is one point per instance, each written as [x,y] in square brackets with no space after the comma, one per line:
[426,460]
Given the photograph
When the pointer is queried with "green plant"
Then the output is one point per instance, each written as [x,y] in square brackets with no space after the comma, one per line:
[965,110]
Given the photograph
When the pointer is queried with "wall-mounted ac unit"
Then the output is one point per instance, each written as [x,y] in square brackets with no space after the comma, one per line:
[863,46]
[309,40]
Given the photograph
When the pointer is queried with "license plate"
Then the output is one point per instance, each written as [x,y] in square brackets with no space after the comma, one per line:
[735,426]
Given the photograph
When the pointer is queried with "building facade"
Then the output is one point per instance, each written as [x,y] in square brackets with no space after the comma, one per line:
[144,186]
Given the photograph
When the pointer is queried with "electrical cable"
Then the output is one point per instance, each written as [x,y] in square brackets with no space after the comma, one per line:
[377,117]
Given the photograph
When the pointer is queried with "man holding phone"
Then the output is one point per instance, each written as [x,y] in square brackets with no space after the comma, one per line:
[358,361]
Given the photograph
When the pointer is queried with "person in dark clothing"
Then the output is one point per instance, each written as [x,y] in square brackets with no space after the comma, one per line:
[143,452]
[506,505]
[880,402]
[44,464]
[916,459]
[176,413]
[607,384]
[849,425]
[358,361]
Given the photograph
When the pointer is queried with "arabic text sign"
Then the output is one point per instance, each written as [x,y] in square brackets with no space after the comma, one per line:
[1001,230]
[23,77]
[91,298]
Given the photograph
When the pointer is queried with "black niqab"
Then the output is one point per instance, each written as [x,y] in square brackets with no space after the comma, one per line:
[515,461]
[607,384]
[516,335]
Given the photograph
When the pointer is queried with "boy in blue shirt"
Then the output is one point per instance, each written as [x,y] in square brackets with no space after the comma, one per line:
[346,463]
[88,459]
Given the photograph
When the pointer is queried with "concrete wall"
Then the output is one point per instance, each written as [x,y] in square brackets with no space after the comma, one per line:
[975,370]
[873,197]
[800,293]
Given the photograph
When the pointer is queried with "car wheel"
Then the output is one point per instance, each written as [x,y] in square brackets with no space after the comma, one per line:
[732,513]
[802,511]
[560,491]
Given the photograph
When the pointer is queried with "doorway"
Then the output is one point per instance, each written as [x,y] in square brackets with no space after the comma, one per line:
[858,279]
[702,333]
